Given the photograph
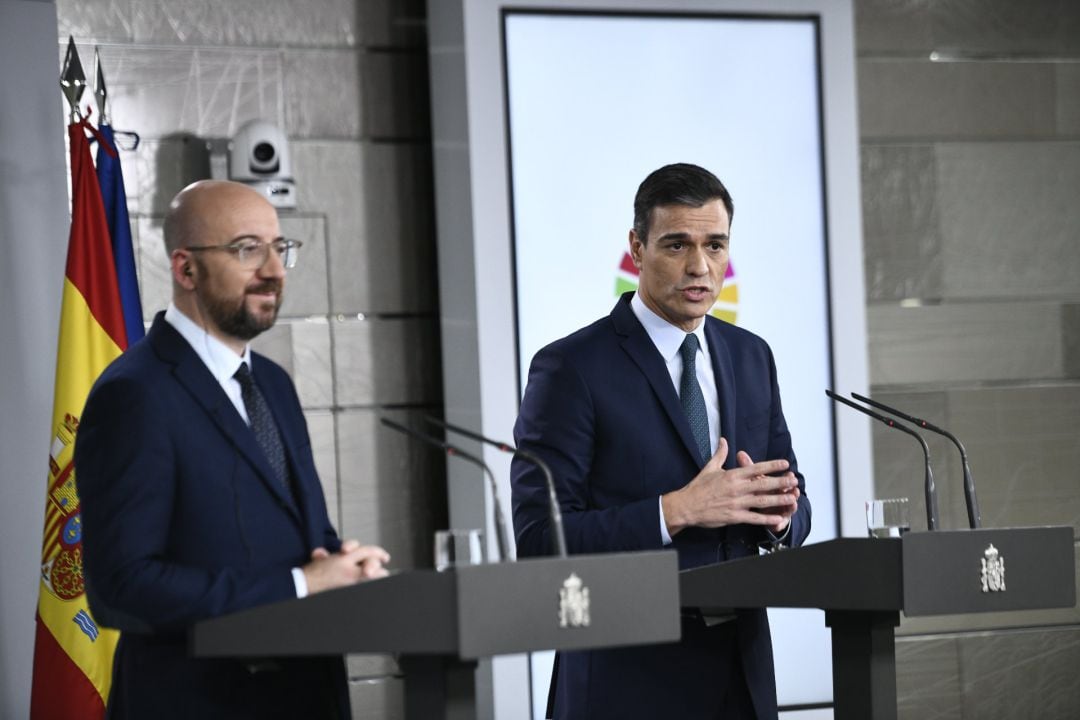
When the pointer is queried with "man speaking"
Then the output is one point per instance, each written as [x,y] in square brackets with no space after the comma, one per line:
[663,427]
[198,487]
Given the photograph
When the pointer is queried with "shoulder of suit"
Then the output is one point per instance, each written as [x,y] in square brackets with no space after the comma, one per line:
[267,369]
[733,333]
[595,333]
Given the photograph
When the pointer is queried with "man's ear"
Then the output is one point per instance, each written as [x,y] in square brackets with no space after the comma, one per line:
[183,269]
[637,249]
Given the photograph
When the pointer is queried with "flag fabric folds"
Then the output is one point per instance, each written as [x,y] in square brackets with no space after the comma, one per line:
[114,198]
[72,654]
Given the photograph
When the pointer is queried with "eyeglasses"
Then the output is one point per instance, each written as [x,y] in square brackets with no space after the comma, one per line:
[252,254]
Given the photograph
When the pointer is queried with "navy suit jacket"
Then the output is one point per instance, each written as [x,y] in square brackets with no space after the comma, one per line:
[183,520]
[601,408]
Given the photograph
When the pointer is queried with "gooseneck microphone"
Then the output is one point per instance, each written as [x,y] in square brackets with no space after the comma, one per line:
[454,451]
[929,490]
[974,518]
[558,536]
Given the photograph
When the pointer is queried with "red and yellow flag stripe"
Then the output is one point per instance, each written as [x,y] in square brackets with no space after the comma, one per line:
[72,654]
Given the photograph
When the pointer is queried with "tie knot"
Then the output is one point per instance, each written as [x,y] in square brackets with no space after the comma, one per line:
[243,375]
[689,347]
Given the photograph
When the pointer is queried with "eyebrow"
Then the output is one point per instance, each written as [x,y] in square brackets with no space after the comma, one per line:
[686,236]
[238,238]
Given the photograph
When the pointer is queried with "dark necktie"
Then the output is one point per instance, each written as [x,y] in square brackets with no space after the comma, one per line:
[263,425]
[693,401]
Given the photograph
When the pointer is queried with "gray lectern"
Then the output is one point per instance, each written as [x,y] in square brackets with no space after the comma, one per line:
[440,623]
[863,584]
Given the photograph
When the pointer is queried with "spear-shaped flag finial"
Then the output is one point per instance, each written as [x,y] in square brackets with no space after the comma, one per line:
[101,93]
[73,79]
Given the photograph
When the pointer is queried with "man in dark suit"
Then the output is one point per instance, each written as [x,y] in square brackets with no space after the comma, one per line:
[663,427]
[198,487]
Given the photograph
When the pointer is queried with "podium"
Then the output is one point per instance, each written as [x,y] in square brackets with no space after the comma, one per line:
[440,623]
[864,584]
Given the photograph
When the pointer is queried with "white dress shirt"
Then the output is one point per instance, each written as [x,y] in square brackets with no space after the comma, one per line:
[668,339]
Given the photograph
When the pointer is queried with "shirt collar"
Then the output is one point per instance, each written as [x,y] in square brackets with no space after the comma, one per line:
[218,357]
[666,337]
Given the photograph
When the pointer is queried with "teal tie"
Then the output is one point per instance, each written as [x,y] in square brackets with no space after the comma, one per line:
[693,401]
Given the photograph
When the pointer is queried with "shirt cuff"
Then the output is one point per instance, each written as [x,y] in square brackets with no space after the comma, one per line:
[665,536]
[300,582]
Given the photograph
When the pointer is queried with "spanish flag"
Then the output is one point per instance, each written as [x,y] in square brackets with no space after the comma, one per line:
[72,654]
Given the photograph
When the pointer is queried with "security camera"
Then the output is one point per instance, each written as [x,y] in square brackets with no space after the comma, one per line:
[259,157]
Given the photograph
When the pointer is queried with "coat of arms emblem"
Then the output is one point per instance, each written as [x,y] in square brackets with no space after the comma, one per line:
[573,603]
[993,570]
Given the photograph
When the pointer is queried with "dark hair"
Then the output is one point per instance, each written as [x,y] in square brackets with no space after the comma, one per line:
[678,184]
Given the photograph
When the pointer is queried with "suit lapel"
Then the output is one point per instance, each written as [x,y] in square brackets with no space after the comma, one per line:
[724,373]
[194,377]
[637,344]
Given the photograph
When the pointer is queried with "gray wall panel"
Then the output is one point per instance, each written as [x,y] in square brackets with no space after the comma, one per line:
[928,679]
[965,343]
[386,362]
[1030,674]
[323,97]
[979,27]
[1008,219]
[918,98]
[901,235]
[378,699]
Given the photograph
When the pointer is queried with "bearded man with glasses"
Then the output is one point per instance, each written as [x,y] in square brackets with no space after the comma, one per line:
[199,491]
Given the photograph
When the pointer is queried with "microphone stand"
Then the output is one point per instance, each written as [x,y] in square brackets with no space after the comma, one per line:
[974,518]
[558,536]
[929,490]
[454,451]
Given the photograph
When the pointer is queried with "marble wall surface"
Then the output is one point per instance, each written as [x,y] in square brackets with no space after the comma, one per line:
[347,82]
[970,147]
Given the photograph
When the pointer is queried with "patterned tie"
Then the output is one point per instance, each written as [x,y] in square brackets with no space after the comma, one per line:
[263,425]
[693,401]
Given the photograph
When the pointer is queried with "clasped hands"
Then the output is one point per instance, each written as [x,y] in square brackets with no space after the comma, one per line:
[353,563]
[750,494]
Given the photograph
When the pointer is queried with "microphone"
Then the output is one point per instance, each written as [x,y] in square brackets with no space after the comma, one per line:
[453,451]
[929,490]
[974,518]
[558,536]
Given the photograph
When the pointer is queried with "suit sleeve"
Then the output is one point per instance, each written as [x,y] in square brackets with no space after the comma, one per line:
[780,447]
[126,462]
[557,422]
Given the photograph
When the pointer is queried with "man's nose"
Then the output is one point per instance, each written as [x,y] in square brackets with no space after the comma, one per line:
[696,263]
[273,266]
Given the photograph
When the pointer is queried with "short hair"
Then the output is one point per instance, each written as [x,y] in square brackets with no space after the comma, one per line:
[677,184]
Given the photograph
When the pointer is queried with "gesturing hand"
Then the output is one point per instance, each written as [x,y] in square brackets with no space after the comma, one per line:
[786,500]
[748,494]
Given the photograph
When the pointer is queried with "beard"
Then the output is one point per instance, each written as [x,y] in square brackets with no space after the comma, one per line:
[232,316]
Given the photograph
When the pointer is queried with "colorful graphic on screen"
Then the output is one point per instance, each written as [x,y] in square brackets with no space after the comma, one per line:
[727,302]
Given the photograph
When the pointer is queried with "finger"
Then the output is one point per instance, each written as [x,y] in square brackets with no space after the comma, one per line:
[349,545]
[743,458]
[764,479]
[369,552]
[777,500]
[319,553]
[720,456]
